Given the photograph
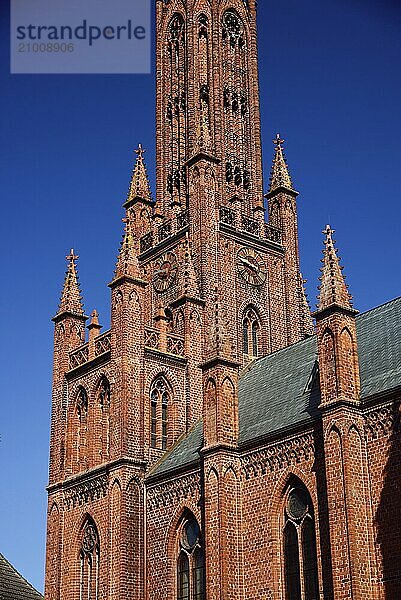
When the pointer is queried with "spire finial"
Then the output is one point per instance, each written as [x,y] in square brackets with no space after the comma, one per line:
[140,151]
[333,289]
[280,176]
[278,141]
[94,318]
[139,187]
[71,300]
[72,257]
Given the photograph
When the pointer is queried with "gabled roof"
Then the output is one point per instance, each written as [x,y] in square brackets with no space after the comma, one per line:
[13,586]
[281,391]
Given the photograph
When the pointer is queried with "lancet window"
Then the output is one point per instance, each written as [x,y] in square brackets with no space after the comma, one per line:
[235,99]
[82,404]
[89,557]
[250,333]
[101,443]
[190,563]
[301,571]
[176,107]
[104,394]
[159,404]
[202,73]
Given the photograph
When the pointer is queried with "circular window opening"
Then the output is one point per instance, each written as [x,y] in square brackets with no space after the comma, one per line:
[190,534]
[297,504]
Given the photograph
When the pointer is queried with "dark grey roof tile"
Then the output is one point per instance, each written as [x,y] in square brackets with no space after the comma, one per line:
[13,586]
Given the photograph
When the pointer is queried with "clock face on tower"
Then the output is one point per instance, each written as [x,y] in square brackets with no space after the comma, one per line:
[251,266]
[165,272]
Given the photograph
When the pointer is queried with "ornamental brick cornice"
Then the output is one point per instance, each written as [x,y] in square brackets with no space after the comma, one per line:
[171,492]
[81,493]
[202,156]
[66,313]
[278,456]
[127,279]
[281,190]
[334,308]
[379,422]
[183,299]
[219,361]
[243,237]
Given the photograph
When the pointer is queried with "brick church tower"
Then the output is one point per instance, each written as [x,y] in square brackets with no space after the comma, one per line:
[161,454]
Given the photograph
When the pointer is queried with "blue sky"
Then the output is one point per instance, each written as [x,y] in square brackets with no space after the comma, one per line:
[330,84]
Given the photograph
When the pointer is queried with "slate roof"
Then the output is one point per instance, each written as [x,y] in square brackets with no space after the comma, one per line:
[281,391]
[13,586]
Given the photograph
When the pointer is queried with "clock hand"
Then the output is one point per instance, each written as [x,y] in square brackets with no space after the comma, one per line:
[161,272]
[248,264]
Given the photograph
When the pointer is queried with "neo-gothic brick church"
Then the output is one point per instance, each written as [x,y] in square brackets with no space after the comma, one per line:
[211,445]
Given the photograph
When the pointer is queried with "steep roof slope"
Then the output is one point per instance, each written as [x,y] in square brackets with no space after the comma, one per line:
[13,586]
[281,391]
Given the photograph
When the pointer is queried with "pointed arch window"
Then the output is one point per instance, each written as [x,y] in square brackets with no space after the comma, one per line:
[159,403]
[89,557]
[101,442]
[82,404]
[190,563]
[104,394]
[250,333]
[300,556]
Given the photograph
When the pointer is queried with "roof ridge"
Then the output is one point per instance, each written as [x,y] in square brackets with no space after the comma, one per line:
[19,574]
[361,314]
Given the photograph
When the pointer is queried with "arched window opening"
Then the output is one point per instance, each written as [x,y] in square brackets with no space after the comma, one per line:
[191,563]
[183,577]
[250,333]
[164,421]
[89,562]
[292,572]
[300,556]
[159,401]
[176,106]
[153,426]
[100,444]
[255,329]
[309,556]
[82,404]
[104,394]
[198,575]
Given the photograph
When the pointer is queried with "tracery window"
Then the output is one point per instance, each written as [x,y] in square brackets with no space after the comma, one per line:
[89,562]
[250,333]
[159,401]
[300,557]
[190,563]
